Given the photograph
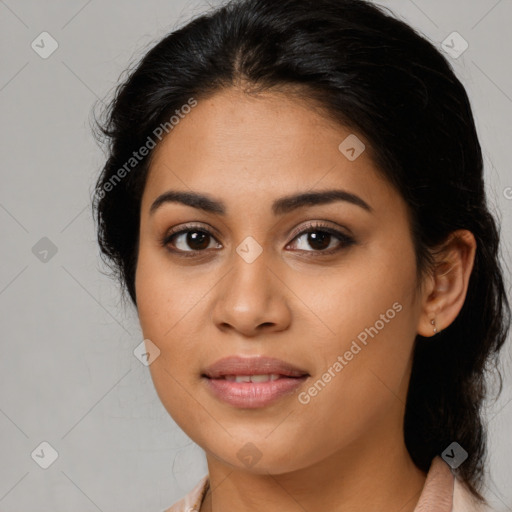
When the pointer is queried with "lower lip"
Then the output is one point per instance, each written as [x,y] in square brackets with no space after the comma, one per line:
[251,395]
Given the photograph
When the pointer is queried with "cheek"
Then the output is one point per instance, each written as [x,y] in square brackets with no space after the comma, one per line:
[365,315]
[163,296]
[160,307]
[148,291]
[361,383]
[366,291]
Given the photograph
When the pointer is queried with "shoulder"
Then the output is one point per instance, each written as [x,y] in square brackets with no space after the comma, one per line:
[464,501]
[192,501]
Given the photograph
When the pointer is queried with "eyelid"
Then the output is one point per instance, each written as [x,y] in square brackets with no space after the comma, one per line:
[319,224]
[190,226]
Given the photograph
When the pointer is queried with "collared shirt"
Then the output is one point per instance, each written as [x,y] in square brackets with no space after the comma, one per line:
[442,492]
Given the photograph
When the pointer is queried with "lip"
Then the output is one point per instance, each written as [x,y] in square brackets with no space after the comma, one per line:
[253,395]
[236,365]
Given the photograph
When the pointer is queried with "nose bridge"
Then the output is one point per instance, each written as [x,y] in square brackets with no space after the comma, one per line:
[251,295]
[250,283]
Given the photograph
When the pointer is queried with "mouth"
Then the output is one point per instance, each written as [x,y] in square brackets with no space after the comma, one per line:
[255,378]
[255,366]
[252,382]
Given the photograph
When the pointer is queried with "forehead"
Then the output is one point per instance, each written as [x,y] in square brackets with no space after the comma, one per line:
[233,143]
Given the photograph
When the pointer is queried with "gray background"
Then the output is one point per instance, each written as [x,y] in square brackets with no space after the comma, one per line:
[68,373]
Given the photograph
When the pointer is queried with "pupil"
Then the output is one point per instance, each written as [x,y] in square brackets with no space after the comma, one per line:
[319,239]
[197,240]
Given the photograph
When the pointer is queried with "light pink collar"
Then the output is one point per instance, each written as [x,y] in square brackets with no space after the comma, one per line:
[437,493]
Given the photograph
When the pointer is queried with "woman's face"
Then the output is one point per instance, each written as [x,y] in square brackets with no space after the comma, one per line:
[340,309]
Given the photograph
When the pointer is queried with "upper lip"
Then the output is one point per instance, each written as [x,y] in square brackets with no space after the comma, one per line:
[260,365]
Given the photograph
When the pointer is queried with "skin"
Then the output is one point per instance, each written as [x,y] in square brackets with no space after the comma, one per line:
[291,303]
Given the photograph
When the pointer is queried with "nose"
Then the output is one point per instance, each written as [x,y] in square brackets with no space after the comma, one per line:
[252,299]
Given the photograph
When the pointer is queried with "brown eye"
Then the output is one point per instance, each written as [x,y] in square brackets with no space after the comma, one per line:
[194,240]
[319,240]
[190,239]
[322,239]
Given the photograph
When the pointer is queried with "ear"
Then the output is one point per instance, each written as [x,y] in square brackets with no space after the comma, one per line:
[445,289]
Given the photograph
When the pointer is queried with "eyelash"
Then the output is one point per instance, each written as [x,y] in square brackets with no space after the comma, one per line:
[313,227]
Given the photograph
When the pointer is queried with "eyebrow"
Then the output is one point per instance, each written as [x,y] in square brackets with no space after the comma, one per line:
[280,206]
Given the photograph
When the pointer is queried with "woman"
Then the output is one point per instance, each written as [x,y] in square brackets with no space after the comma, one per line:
[294,201]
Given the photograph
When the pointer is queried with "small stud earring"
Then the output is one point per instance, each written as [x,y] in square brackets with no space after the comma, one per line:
[433,322]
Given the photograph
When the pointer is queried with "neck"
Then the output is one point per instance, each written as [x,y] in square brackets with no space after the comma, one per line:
[354,479]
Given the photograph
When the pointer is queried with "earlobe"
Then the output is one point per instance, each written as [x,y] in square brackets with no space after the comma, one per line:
[444,299]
